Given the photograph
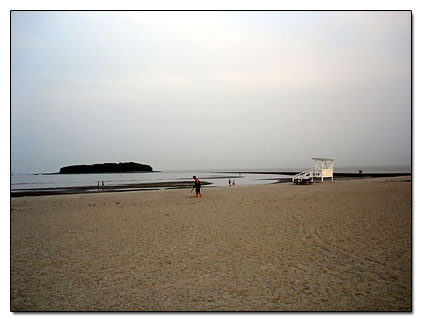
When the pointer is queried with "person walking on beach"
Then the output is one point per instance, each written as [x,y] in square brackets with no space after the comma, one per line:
[197,186]
[230,182]
[234,182]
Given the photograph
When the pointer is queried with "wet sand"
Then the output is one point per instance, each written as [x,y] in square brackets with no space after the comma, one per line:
[332,246]
[106,188]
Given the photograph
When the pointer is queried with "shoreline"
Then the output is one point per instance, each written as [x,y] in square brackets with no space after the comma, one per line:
[105,189]
[154,186]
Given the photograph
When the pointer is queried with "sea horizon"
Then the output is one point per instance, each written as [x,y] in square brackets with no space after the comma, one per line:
[343,169]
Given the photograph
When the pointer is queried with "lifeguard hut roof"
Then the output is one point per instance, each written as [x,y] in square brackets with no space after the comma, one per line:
[328,159]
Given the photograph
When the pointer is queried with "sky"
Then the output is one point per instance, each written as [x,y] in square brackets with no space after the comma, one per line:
[210,90]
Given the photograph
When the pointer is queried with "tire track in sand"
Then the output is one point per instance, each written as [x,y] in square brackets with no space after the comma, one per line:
[342,261]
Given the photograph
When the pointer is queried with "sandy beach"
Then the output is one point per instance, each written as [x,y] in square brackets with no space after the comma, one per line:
[332,246]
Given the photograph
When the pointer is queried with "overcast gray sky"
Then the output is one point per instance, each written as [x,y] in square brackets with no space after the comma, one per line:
[210,90]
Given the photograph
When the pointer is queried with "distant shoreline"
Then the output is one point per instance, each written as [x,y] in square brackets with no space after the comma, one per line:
[336,175]
[384,174]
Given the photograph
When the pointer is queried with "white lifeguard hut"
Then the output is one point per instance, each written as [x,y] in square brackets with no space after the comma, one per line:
[323,168]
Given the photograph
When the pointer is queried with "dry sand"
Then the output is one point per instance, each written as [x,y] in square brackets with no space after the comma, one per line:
[332,246]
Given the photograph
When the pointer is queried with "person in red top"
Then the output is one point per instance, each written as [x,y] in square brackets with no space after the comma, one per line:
[197,186]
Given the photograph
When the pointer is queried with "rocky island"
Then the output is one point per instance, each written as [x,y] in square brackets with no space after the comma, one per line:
[126,167]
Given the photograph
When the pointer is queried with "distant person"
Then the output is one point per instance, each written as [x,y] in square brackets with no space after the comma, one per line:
[197,186]
[234,182]
[230,182]
[360,172]
[102,184]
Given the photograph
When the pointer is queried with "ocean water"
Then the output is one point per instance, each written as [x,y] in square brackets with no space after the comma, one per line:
[44,181]
[22,182]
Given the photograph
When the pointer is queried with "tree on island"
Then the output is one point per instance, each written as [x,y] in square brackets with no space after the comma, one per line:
[106,168]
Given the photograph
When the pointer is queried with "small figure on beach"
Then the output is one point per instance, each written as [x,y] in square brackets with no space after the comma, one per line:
[102,184]
[360,173]
[230,182]
[234,182]
[197,186]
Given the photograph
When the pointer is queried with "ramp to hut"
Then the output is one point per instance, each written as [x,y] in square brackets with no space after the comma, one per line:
[306,177]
